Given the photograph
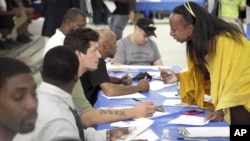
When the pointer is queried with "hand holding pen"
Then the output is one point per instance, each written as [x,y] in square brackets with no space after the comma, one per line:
[158,108]
[144,110]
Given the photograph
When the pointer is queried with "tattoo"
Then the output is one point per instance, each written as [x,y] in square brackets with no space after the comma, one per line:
[112,112]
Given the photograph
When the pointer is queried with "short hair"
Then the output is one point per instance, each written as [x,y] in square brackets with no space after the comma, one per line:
[79,39]
[72,14]
[60,65]
[11,67]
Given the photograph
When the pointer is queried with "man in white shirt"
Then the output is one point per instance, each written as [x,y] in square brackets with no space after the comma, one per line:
[18,103]
[73,19]
[56,118]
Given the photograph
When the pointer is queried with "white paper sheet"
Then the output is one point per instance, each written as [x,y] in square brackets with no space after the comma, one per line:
[137,126]
[176,102]
[157,85]
[110,5]
[189,120]
[120,68]
[208,131]
[170,94]
[148,135]
[133,95]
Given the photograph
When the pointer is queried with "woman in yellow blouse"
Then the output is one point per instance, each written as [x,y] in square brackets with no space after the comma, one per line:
[218,58]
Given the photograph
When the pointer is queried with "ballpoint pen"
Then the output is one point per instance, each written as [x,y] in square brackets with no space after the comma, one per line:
[191,139]
[137,100]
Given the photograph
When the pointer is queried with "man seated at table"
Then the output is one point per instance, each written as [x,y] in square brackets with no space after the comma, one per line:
[84,42]
[94,81]
[57,118]
[138,48]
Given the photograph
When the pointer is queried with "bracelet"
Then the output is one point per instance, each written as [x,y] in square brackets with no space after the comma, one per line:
[108,135]
[225,111]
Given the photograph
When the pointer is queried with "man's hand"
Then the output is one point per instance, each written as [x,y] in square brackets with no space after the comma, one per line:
[126,80]
[144,109]
[143,85]
[117,133]
[215,116]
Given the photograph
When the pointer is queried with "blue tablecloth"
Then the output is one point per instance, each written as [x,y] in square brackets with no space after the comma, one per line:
[159,122]
[163,5]
[248,32]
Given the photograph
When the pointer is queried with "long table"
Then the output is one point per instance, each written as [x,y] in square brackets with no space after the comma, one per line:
[161,122]
[163,5]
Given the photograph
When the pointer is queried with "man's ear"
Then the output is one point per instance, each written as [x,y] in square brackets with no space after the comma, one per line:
[76,78]
[68,21]
[79,53]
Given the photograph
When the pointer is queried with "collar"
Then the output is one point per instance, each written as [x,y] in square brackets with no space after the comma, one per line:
[49,89]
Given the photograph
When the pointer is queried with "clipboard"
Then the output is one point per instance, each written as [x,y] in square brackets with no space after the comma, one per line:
[205,132]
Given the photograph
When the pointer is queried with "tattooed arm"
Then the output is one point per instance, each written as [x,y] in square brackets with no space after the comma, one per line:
[98,116]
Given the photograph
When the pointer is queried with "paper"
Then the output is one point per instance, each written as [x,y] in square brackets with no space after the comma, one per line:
[158,114]
[176,102]
[120,68]
[189,120]
[147,135]
[157,85]
[170,94]
[137,127]
[194,132]
[133,95]
[110,5]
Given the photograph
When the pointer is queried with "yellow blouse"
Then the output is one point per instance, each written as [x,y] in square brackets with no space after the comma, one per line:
[229,71]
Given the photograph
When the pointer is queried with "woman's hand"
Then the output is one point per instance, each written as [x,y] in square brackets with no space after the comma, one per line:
[168,76]
[215,116]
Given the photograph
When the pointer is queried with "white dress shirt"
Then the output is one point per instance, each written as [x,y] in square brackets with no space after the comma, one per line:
[55,120]
[56,40]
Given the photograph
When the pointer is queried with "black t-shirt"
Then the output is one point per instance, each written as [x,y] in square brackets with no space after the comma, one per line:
[121,9]
[92,79]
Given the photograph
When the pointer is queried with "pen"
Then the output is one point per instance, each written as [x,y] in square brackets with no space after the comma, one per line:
[159,108]
[191,139]
[137,100]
